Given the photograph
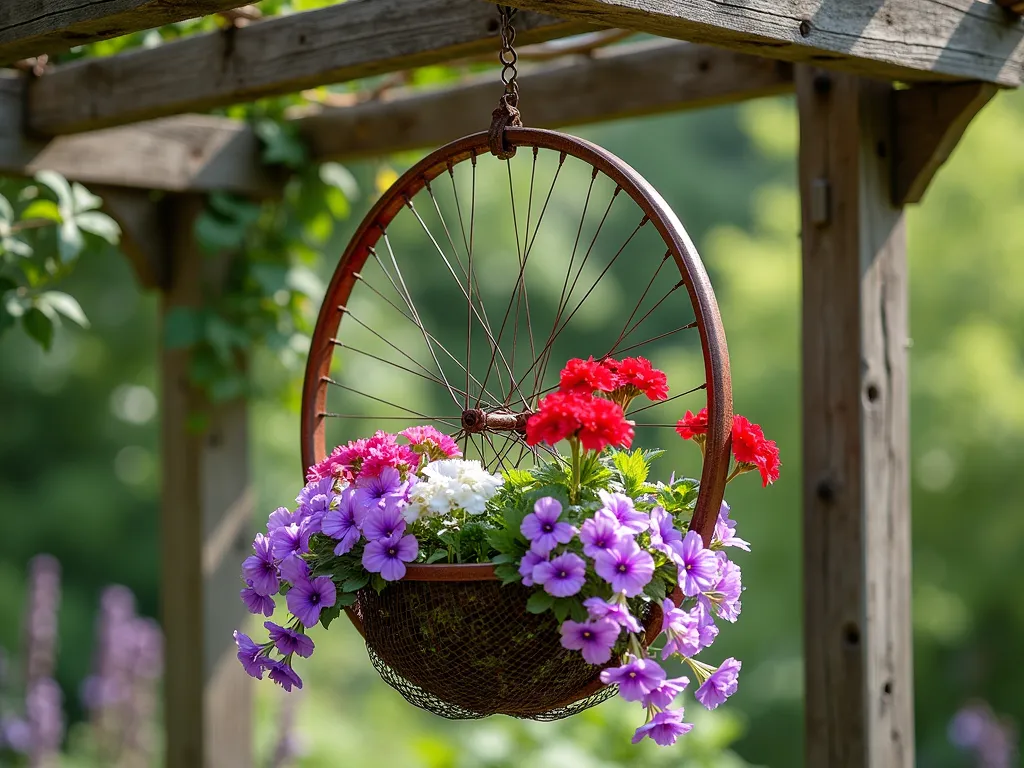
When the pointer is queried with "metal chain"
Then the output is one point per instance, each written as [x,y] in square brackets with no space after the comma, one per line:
[508,56]
[507,113]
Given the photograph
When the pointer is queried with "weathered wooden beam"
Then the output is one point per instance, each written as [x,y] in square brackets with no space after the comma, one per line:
[621,81]
[352,40]
[143,232]
[31,27]
[207,507]
[196,153]
[857,615]
[891,39]
[928,122]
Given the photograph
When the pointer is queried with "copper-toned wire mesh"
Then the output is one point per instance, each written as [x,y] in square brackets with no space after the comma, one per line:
[465,650]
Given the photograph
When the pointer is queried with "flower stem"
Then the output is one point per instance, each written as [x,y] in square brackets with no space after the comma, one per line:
[574,487]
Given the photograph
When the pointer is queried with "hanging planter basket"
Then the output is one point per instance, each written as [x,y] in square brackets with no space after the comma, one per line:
[451,638]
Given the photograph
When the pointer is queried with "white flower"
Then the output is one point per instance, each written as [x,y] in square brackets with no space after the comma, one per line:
[449,485]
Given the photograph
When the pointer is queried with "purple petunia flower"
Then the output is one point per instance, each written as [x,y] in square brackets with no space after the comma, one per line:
[725,531]
[563,576]
[282,674]
[385,491]
[294,569]
[288,540]
[663,532]
[308,597]
[383,523]
[617,612]
[600,533]
[289,641]
[260,570]
[626,567]
[621,508]
[530,561]
[724,598]
[681,630]
[343,523]
[636,678]
[324,485]
[388,556]
[542,528]
[254,661]
[281,516]
[315,509]
[664,728]
[663,696]
[594,638]
[720,685]
[698,567]
[257,603]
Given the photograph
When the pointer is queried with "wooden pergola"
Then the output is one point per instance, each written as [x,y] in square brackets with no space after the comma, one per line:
[885,89]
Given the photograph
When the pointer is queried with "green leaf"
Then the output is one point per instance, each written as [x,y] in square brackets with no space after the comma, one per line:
[539,602]
[355,583]
[281,144]
[338,176]
[327,615]
[271,278]
[305,281]
[183,327]
[577,611]
[508,573]
[99,224]
[656,589]
[345,599]
[438,554]
[504,558]
[561,608]
[6,211]
[38,326]
[42,209]
[216,233]
[64,305]
[378,583]
[61,189]
[69,240]
[633,469]
[518,478]
[83,200]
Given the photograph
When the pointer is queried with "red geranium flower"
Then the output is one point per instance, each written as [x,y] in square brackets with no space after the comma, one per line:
[557,417]
[693,425]
[750,446]
[586,376]
[604,424]
[637,373]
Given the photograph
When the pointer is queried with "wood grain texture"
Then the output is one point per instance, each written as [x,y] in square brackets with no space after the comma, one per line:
[928,122]
[352,40]
[620,81]
[857,619]
[207,697]
[31,27]
[892,39]
[187,152]
[143,239]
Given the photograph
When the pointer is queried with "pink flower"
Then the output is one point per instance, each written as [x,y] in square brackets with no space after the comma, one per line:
[434,444]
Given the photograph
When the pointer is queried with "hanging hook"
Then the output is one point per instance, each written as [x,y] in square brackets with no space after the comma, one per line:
[507,112]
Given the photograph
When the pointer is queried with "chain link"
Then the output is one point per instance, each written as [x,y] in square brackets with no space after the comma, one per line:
[508,56]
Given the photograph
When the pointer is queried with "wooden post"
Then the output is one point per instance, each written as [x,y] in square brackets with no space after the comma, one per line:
[206,509]
[857,622]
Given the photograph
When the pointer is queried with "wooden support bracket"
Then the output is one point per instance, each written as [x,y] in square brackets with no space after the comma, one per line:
[928,122]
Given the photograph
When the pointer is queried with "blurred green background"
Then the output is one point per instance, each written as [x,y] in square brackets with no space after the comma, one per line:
[79,470]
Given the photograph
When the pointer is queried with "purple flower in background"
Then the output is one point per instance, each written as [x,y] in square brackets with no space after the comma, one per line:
[725,530]
[251,655]
[281,516]
[294,569]
[626,567]
[530,561]
[600,533]
[44,707]
[720,685]
[385,491]
[663,530]
[725,596]
[289,641]
[383,523]
[307,598]
[288,540]
[635,679]
[260,570]
[389,556]
[621,508]
[698,567]
[594,638]
[342,523]
[617,612]
[542,528]
[681,630]
[563,576]
[282,674]
[663,696]
[257,603]
[664,728]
